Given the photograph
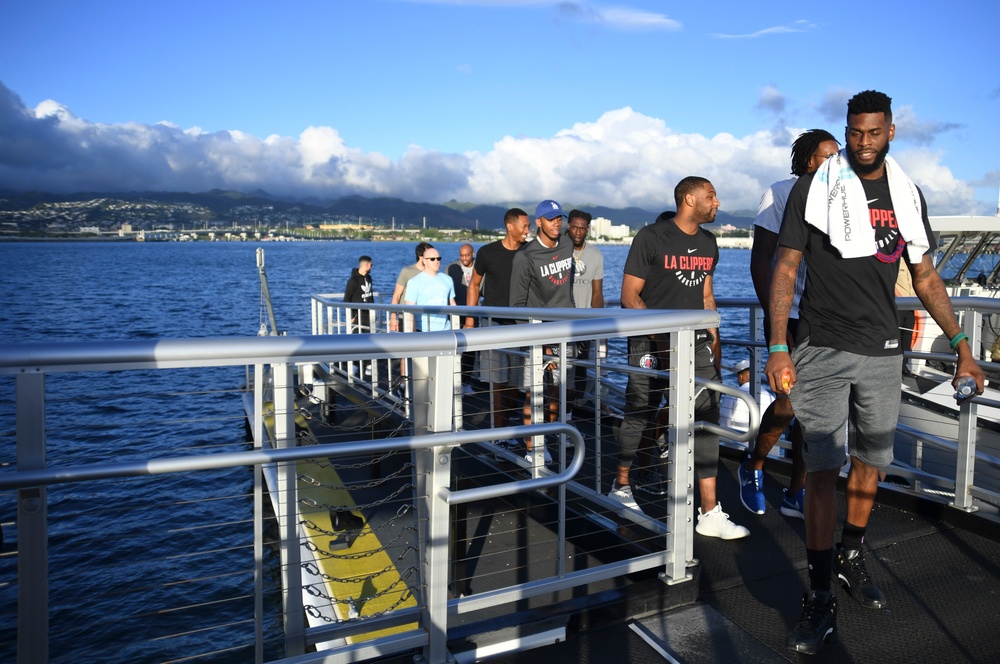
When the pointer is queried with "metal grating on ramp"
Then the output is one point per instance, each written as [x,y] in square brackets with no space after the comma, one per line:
[942,585]
[701,635]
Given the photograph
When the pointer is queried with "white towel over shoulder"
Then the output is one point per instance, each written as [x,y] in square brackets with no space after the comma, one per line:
[837,205]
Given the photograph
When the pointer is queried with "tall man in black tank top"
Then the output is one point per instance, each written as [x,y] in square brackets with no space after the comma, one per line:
[843,375]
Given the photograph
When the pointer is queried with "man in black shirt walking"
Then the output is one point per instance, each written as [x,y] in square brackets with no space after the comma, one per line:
[852,220]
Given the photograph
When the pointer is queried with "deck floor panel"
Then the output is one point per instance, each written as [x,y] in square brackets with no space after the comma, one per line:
[942,586]
[942,582]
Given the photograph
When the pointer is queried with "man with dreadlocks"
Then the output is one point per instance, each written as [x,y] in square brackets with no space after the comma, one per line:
[852,221]
[809,151]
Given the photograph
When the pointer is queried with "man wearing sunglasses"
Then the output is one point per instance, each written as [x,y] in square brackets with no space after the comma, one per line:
[431,288]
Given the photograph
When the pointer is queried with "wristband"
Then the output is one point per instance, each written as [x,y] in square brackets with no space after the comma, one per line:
[957,339]
[777,348]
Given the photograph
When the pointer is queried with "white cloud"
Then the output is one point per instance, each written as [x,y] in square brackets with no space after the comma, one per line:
[922,132]
[633,19]
[614,17]
[623,158]
[772,99]
[944,193]
[799,26]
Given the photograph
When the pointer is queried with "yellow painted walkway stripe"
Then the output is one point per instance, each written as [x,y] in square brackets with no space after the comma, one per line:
[362,578]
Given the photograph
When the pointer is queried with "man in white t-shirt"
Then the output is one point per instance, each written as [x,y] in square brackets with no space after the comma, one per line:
[809,151]
[734,412]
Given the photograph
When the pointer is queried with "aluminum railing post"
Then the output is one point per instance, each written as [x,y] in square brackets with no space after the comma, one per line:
[32,524]
[680,498]
[965,463]
[598,417]
[433,399]
[259,375]
[291,569]
[534,365]
[565,373]
[756,352]
[458,411]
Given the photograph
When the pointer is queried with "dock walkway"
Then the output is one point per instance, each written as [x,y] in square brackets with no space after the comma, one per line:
[941,580]
[939,569]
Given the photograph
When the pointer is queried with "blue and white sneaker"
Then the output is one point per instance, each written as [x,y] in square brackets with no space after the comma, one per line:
[505,445]
[752,488]
[794,506]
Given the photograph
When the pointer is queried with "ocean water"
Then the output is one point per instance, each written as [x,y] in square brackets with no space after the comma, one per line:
[119,550]
[74,291]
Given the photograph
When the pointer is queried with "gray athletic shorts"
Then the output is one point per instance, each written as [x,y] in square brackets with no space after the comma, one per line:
[551,358]
[499,366]
[841,395]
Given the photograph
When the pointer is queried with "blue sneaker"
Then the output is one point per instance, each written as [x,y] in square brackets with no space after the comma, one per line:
[752,488]
[794,506]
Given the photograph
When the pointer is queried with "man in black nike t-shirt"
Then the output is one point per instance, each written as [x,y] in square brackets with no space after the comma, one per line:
[843,375]
[670,266]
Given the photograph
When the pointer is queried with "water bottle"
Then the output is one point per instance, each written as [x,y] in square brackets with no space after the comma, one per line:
[786,381]
[966,388]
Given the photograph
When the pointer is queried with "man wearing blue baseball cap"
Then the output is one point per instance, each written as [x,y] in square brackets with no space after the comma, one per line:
[542,277]
[543,269]
[548,210]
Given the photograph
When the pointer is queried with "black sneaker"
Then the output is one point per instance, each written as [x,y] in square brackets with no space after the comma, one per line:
[651,482]
[850,569]
[816,624]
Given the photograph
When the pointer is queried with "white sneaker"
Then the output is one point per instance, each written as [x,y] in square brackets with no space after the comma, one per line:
[624,496]
[661,445]
[717,524]
[530,458]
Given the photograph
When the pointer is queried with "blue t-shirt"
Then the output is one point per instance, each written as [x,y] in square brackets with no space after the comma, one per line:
[438,290]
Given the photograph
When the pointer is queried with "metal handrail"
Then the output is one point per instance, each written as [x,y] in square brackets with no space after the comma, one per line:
[240,351]
[20,479]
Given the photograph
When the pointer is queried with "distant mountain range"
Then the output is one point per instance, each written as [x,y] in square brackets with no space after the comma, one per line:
[141,209]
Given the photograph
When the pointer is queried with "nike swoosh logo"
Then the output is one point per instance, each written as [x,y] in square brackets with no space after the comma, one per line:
[872,200]
[691,251]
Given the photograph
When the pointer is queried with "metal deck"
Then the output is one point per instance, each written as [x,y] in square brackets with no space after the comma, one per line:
[939,569]
[942,583]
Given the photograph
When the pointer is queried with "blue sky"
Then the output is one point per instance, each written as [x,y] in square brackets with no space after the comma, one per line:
[487,101]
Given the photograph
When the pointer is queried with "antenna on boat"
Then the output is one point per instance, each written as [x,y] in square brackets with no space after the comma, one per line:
[265,299]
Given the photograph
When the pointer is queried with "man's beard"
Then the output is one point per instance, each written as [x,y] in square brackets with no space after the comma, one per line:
[861,169]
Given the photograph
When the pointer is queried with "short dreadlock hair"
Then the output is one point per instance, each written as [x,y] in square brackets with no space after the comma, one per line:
[805,145]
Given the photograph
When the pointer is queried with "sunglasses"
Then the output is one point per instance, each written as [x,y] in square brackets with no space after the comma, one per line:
[432,258]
